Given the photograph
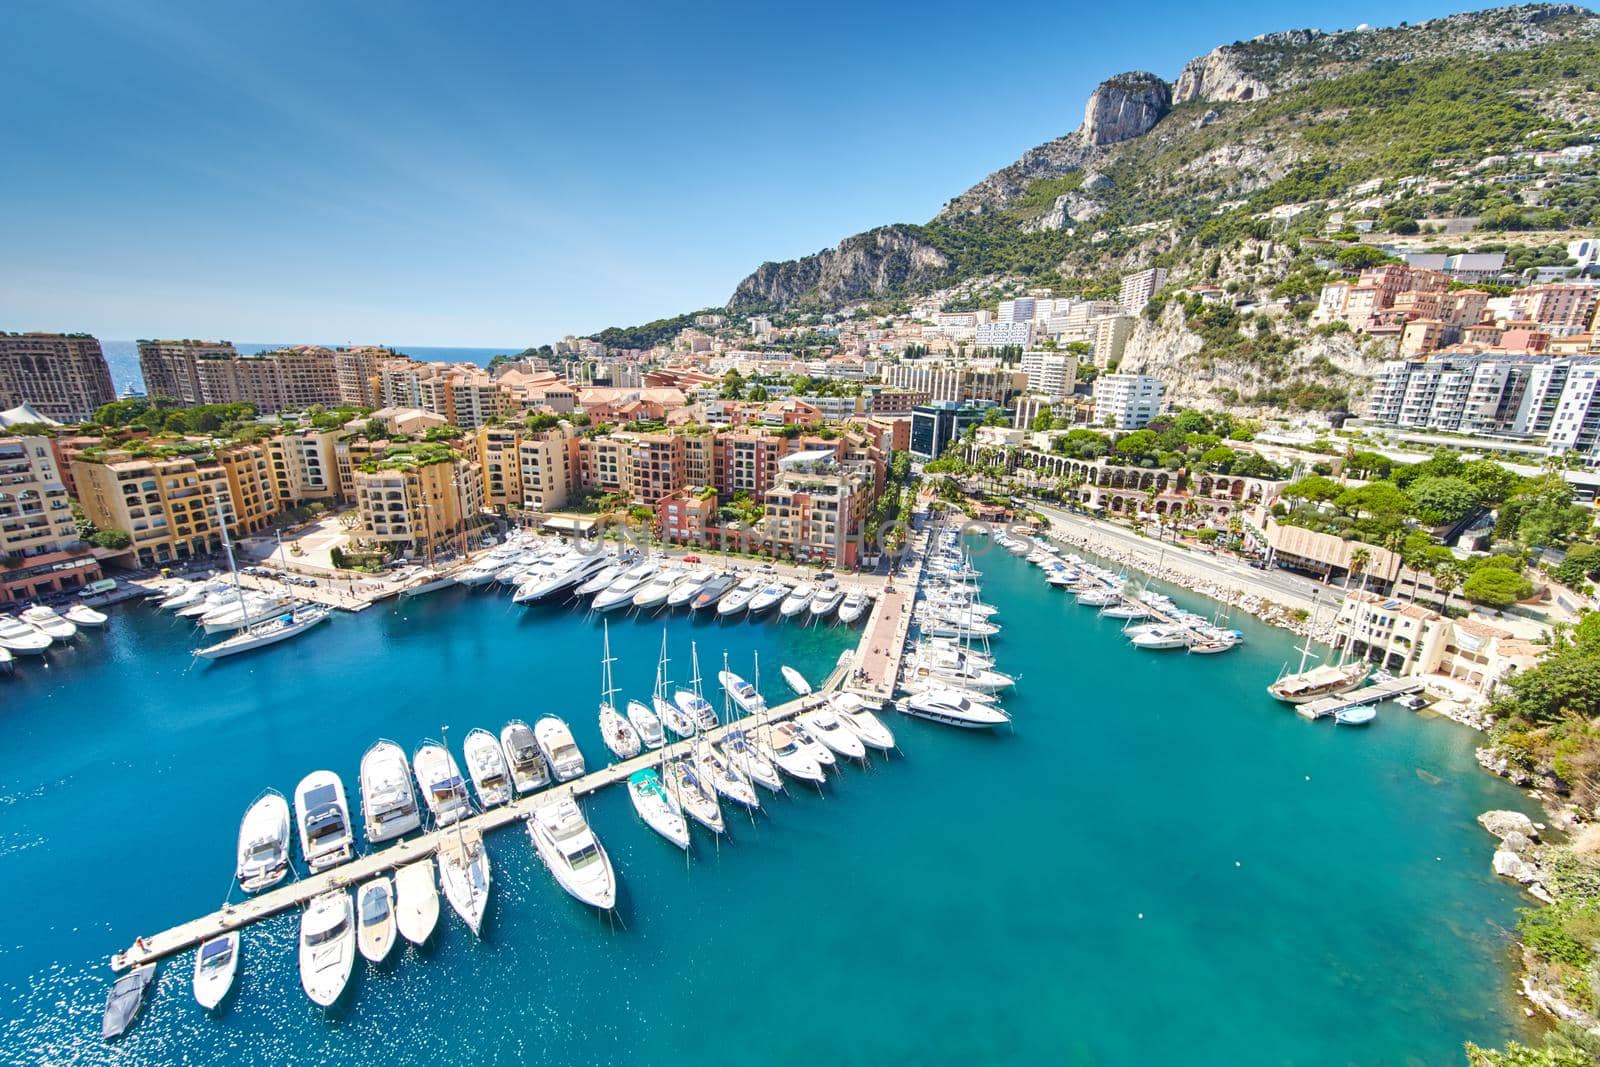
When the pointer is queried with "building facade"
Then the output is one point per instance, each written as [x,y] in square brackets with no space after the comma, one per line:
[40,552]
[62,376]
[1127,401]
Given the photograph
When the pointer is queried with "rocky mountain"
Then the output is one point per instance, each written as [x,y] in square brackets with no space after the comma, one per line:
[878,261]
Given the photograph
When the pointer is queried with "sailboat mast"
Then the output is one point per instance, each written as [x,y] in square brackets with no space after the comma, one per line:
[227,548]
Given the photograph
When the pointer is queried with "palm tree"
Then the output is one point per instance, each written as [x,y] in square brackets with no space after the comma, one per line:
[1358,565]
[1447,576]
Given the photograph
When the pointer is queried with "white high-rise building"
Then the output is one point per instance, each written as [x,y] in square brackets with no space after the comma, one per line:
[1019,310]
[1137,289]
[1051,374]
[1127,401]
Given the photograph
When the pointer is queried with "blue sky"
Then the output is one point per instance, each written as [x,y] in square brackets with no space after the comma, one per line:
[506,173]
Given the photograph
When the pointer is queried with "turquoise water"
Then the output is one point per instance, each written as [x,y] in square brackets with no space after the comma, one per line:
[123,357]
[1159,864]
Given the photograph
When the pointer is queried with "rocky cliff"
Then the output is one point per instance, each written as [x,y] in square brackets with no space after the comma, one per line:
[859,267]
[1124,107]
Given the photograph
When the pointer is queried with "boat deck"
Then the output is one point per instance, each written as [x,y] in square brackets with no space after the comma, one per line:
[1371,694]
[299,892]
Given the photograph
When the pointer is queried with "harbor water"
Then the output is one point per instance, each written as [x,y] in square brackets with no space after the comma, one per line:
[1157,864]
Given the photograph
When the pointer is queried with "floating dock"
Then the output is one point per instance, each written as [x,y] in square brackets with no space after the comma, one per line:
[1371,694]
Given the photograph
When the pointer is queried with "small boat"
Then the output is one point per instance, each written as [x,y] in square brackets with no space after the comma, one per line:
[573,854]
[528,768]
[179,593]
[486,766]
[290,624]
[796,680]
[692,701]
[388,802]
[770,596]
[825,601]
[853,607]
[724,776]
[427,581]
[1161,638]
[828,728]
[953,708]
[239,612]
[18,637]
[325,836]
[416,901]
[443,788]
[1360,715]
[743,693]
[656,807]
[1328,679]
[48,622]
[464,874]
[712,592]
[861,718]
[797,601]
[375,933]
[124,1000]
[689,586]
[84,615]
[742,750]
[809,741]
[695,797]
[327,947]
[216,963]
[653,594]
[783,747]
[1125,610]
[738,598]
[616,731]
[7,661]
[560,750]
[646,723]
[264,842]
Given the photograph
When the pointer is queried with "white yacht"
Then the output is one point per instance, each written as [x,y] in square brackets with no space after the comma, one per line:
[656,807]
[1160,638]
[952,708]
[934,624]
[1099,597]
[427,580]
[724,776]
[560,750]
[646,723]
[375,919]
[812,744]
[743,693]
[83,615]
[243,611]
[797,600]
[954,668]
[784,748]
[853,606]
[692,701]
[828,728]
[46,621]
[861,718]
[180,593]
[486,766]
[712,592]
[416,901]
[620,593]
[464,874]
[825,600]
[216,963]
[439,778]
[327,947]
[482,572]
[388,803]
[696,797]
[771,595]
[738,598]
[746,754]
[18,637]
[325,835]
[602,578]
[528,768]
[653,594]
[689,587]
[796,681]
[264,843]
[573,854]
[290,624]
[677,718]
[564,574]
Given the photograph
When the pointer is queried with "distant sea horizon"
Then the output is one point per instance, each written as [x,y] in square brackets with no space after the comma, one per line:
[123,356]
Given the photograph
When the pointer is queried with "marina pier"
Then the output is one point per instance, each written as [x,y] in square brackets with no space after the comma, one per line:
[1371,694]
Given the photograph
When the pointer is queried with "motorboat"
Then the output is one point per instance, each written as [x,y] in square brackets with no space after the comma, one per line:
[1099,597]
[21,639]
[48,622]
[375,919]
[810,742]
[712,592]
[781,745]
[742,692]
[481,572]
[646,723]
[7,660]
[741,749]
[427,580]
[1126,610]
[620,593]
[416,901]
[290,624]
[796,681]
[560,750]
[696,797]
[1360,715]
[862,719]
[934,624]
[615,730]
[263,843]
[327,947]
[653,594]
[602,578]
[953,708]
[528,768]
[724,776]
[689,587]
[1329,679]
[249,610]
[216,963]
[828,728]
[953,667]
[770,596]
[464,874]
[825,601]
[574,855]
[124,1000]
[798,600]
[189,594]
[563,574]
[486,766]
[738,598]
[443,788]
[388,801]
[656,807]
[852,607]
[83,615]
[1161,638]
[325,835]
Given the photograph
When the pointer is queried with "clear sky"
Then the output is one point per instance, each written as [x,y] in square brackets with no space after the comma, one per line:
[506,173]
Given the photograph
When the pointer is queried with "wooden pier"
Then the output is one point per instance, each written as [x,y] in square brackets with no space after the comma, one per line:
[1371,694]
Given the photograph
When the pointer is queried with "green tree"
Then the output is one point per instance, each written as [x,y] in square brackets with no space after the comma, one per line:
[112,539]
[1496,587]
[1442,500]
[1312,489]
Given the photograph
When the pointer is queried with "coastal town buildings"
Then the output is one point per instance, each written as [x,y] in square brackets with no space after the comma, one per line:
[170,368]
[169,504]
[417,501]
[40,552]
[1140,288]
[1050,374]
[527,471]
[63,377]
[1127,401]
[956,382]
[934,427]
[1414,641]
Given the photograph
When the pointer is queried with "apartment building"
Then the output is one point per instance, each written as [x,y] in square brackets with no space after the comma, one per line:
[169,368]
[1139,289]
[464,394]
[418,502]
[354,370]
[880,400]
[1004,334]
[39,548]
[1108,338]
[817,510]
[251,487]
[952,382]
[934,427]
[304,465]
[63,377]
[168,503]
[527,471]
[1127,401]
[1412,641]
[1050,374]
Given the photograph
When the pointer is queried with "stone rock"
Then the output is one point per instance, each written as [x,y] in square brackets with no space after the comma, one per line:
[1504,823]
[1516,842]
[1218,76]
[865,266]
[1510,865]
[1125,107]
